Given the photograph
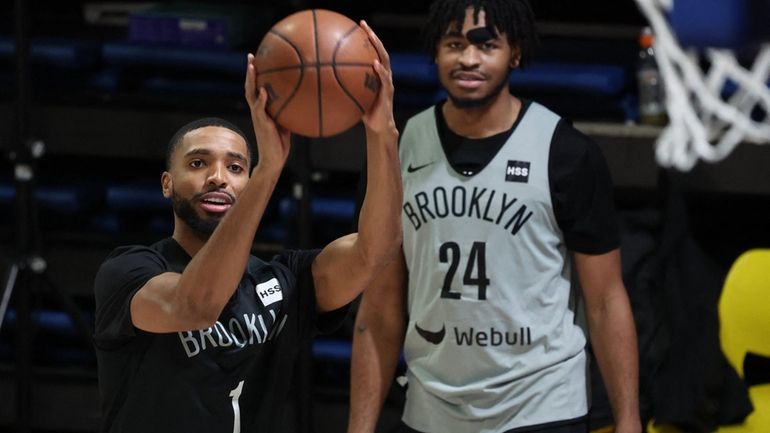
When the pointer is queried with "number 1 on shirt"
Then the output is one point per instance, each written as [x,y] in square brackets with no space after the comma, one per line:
[235,394]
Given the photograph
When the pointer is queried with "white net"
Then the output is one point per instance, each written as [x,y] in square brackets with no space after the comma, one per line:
[704,124]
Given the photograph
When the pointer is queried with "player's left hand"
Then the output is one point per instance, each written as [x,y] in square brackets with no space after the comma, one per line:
[379,118]
[273,141]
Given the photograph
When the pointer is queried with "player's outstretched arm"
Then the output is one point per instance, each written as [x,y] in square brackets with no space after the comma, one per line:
[377,341]
[173,302]
[347,265]
[613,334]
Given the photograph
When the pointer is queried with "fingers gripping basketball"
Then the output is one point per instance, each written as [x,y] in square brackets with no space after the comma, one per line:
[316,66]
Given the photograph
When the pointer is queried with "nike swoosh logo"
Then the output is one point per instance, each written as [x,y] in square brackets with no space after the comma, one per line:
[411,169]
[430,336]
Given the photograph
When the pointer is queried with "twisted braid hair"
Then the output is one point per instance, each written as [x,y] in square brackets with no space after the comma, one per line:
[512,17]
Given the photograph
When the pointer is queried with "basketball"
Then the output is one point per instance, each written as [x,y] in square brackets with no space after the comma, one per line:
[316,67]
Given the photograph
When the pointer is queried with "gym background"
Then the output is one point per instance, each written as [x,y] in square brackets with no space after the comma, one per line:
[109,82]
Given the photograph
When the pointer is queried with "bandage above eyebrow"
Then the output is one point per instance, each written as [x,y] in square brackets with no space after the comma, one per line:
[479,35]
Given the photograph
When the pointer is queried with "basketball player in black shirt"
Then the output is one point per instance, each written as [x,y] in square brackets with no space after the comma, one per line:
[194,334]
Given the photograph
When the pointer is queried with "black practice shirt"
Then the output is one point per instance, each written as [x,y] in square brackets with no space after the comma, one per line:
[233,377]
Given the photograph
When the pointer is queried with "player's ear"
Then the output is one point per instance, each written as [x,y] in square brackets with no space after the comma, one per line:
[515,57]
[167,184]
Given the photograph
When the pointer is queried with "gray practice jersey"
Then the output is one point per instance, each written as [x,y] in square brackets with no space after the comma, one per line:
[491,343]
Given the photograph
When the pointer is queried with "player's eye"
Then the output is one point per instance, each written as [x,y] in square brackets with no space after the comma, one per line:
[236,168]
[196,163]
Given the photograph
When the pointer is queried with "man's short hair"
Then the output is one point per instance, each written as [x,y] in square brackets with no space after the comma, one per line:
[176,139]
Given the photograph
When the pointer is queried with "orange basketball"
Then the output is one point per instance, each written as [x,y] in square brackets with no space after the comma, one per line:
[316,66]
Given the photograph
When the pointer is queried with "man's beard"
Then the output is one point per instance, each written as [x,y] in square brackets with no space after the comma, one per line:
[479,102]
[184,210]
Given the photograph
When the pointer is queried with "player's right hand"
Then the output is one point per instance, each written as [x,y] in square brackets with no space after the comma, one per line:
[273,141]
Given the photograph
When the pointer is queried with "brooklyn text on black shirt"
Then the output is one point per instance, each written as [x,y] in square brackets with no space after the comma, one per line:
[241,331]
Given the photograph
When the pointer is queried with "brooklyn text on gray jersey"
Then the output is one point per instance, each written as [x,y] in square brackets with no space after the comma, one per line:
[461,202]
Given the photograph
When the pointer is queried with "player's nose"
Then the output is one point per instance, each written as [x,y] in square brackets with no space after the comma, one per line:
[216,175]
[469,56]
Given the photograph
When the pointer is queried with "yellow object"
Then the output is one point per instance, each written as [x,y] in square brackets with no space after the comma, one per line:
[744,317]
[663,428]
[744,308]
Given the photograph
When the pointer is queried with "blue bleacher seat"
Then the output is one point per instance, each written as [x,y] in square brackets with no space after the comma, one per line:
[337,350]
[171,57]
[51,322]
[413,68]
[137,197]
[67,53]
[335,208]
[414,74]
[64,198]
[57,339]
[194,86]
[595,79]
[720,23]
[418,69]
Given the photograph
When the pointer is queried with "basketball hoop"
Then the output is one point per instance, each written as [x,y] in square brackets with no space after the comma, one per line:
[706,119]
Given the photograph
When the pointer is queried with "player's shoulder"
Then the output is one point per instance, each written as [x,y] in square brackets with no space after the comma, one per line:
[573,152]
[129,252]
[124,264]
[424,117]
[256,264]
[418,128]
[160,254]
[566,130]
[293,261]
[570,143]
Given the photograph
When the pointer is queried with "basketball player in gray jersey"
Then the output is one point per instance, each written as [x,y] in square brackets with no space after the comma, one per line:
[501,199]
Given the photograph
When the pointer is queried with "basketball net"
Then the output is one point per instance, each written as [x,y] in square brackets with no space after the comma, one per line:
[702,123]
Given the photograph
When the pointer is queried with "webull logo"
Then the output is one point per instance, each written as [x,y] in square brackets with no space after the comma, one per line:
[479,337]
